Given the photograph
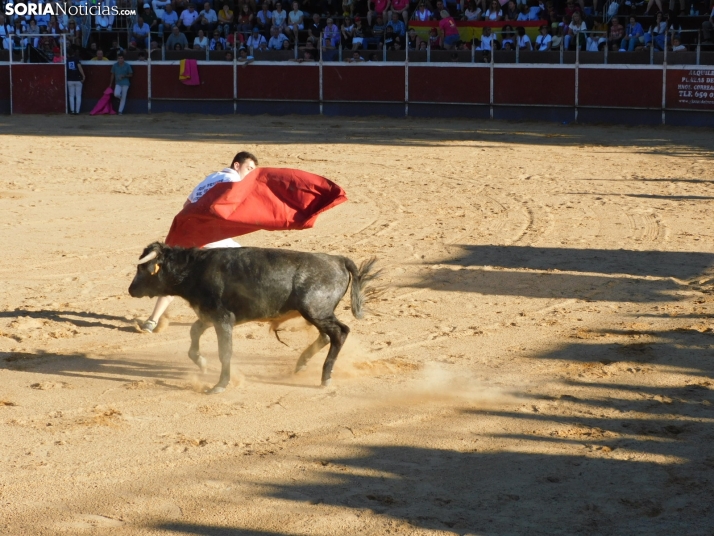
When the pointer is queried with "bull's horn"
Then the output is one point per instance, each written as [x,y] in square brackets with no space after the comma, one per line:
[148,257]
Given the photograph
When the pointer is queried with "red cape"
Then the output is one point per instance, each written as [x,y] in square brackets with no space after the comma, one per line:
[271,199]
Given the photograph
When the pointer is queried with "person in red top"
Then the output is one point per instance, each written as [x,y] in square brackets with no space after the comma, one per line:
[448,31]
[401,7]
[380,6]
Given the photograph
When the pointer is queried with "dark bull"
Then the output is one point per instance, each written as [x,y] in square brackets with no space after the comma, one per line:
[230,286]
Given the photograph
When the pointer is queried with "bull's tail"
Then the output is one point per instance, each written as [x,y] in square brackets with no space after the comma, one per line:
[362,291]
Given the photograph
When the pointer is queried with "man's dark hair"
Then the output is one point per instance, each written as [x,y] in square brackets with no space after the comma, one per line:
[243,156]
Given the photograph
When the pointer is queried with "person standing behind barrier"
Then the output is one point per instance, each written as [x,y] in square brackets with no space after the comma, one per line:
[121,72]
[75,77]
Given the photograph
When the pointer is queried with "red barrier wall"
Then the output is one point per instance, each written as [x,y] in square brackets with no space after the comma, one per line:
[298,83]
[97,80]
[4,82]
[534,86]
[216,83]
[690,89]
[364,83]
[38,89]
[449,84]
[620,88]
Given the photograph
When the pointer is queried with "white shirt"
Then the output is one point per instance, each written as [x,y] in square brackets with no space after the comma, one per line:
[523,41]
[188,18]
[486,42]
[543,42]
[225,175]
[492,15]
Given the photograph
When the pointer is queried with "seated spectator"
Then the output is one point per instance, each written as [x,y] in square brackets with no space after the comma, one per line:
[187,19]
[523,14]
[448,31]
[331,34]
[376,8]
[422,14]
[217,43]
[435,39]
[296,20]
[657,34]
[150,18]
[389,38]
[201,41]
[140,33]
[168,20]
[74,34]
[488,41]
[225,20]
[256,40]
[358,33]
[100,56]
[571,8]
[524,42]
[677,46]
[176,38]
[413,40]
[178,46]
[286,45]
[634,36]
[508,38]
[378,29]
[493,13]
[348,8]
[346,32]
[615,34]
[243,56]
[315,28]
[423,46]
[535,11]
[246,20]
[159,7]
[307,56]
[280,17]
[558,41]
[511,12]
[207,19]
[577,33]
[708,29]
[439,8]
[473,12]
[356,58]
[105,19]
[276,39]
[264,18]
[398,25]
[114,51]
[228,56]
[401,9]
[544,40]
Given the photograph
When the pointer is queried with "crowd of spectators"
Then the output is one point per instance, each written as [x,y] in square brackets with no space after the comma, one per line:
[359,25]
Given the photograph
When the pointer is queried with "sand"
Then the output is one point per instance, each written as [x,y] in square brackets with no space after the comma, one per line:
[541,361]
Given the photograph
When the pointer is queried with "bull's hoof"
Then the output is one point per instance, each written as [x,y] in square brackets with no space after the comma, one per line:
[215,390]
[326,383]
[300,368]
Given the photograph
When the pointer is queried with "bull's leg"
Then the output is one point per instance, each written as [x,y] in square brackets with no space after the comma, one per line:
[224,332]
[337,332]
[194,353]
[319,344]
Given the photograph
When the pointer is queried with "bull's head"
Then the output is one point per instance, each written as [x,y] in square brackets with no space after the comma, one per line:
[147,281]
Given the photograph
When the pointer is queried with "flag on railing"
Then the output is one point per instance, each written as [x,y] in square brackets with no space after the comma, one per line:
[271,199]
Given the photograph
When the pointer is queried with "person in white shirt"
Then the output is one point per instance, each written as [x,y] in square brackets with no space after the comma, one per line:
[188,18]
[296,20]
[243,163]
[264,17]
[544,40]
[576,29]
[159,6]
[201,41]
[279,16]
[494,13]
[523,41]
[256,40]
[207,19]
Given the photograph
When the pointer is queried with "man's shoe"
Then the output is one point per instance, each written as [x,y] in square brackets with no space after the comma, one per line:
[147,327]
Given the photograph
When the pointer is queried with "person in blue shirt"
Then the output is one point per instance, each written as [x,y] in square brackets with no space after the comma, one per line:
[634,35]
[168,20]
[397,25]
[140,33]
[121,72]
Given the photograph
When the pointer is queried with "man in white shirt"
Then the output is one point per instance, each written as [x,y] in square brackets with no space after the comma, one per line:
[168,20]
[207,19]
[243,163]
[276,39]
[188,18]
[140,33]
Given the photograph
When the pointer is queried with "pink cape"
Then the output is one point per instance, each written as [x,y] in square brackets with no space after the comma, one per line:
[271,199]
[189,73]
[104,106]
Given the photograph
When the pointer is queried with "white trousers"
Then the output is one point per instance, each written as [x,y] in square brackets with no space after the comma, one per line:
[74,89]
[120,93]
[225,243]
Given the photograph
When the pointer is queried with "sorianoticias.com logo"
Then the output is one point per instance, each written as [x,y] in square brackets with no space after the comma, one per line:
[92,7]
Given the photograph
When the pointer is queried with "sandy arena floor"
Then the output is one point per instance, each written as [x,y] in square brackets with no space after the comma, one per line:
[541,362]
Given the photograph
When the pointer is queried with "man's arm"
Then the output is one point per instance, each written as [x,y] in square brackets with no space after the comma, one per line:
[81,71]
[111,77]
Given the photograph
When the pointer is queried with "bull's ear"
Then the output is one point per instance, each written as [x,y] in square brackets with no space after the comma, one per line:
[156,269]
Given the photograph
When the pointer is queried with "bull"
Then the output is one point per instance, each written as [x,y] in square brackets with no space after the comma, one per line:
[230,286]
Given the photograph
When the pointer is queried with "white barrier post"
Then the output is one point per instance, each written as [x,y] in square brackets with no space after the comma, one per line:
[664,80]
[577,74]
[322,46]
[64,63]
[406,82]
